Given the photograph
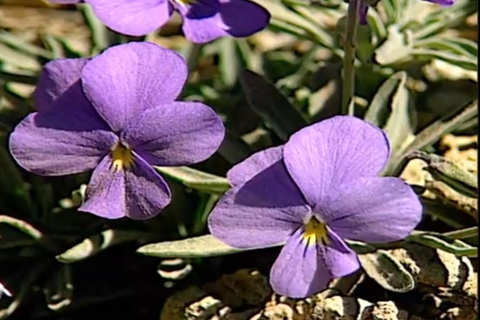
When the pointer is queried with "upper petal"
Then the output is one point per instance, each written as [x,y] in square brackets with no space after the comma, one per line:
[233,13]
[257,162]
[373,209]
[69,138]
[57,76]
[132,17]
[263,212]
[138,193]
[179,133]
[325,154]
[302,270]
[127,79]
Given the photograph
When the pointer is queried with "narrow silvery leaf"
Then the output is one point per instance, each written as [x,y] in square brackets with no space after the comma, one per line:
[432,134]
[457,247]
[196,179]
[197,247]
[392,109]
[271,105]
[448,172]
[95,244]
[229,65]
[466,62]
[387,271]
[284,15]
[396,48]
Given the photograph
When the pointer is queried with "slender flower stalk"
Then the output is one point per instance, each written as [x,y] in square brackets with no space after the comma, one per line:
[349,57]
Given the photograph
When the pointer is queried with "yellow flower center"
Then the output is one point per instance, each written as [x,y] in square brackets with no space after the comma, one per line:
[185,2]
[122,157]
[315,232]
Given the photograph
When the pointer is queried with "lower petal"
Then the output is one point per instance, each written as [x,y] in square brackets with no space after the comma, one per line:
[138,193]
[302,270]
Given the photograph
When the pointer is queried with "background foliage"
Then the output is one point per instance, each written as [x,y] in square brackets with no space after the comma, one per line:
[416,77]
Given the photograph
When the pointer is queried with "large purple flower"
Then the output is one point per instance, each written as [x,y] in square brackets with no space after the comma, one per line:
[317,189]
[203,20]
[116,113]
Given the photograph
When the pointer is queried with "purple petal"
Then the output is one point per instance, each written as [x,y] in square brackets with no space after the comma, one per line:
[302,270]
[134,18]
[57,76]
[363,11]
[257,162]
[70,138]
[233,14]
[179,133]
[230,21]
[138,193]
[325,154]
[263,212]
[203,30]
[200,9]
[442,2]
[373,209]
[127,79]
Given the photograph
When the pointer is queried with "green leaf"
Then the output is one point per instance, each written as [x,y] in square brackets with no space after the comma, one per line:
[271,105]
[22,226]
[457,247]
[197,247]
[396,48]
[229,64]
[288,17]
[432,134]
[196,179]
[23,46]
[387,271]
[94,244]
[459,60]
[462,233]
[18,59]
[447,214]
[391,108]
[99,32]
[448,172]
[19,76]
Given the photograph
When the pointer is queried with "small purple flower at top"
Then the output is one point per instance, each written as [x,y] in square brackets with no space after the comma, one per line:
[364,4]
[319,188]
[203,20]
[116,113]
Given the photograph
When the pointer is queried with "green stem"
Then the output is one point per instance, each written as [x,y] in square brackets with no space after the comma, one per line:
[349,57]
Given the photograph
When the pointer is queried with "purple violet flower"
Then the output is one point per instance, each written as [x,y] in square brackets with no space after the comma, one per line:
[317,189]
[116,113]
[203,20]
